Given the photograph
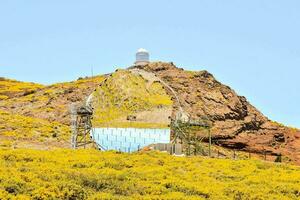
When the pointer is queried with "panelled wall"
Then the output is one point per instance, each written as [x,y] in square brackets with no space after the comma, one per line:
[129,139]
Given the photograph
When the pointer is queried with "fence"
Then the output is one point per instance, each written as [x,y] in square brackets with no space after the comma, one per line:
[237,154]
[134,139]
[168,147]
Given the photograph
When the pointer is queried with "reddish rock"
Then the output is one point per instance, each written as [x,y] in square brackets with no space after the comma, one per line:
[236,123]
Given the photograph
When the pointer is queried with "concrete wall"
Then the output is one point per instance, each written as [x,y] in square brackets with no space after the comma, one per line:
[129,139]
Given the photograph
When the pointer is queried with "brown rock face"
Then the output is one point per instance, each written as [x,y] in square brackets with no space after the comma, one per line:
[52,103]
[236,123]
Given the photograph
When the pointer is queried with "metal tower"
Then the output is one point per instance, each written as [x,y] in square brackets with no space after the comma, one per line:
[81,126]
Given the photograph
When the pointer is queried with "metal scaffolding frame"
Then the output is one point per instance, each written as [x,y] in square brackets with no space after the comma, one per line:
[81,125]
[182,133]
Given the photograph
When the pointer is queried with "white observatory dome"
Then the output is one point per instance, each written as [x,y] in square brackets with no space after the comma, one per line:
[142,57]
[140,50]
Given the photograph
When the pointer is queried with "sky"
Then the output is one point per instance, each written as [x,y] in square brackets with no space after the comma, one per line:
[252,45]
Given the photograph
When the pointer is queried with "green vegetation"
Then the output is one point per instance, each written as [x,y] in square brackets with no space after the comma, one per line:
[89,174]
[125,93]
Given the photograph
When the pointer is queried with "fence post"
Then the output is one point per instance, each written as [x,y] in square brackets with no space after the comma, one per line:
[234,154]
[265,155]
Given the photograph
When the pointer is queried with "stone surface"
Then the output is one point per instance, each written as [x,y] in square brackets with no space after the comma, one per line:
[236,123]
[197,95]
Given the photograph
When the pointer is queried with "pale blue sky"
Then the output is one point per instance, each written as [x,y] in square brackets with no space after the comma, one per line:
[251,45]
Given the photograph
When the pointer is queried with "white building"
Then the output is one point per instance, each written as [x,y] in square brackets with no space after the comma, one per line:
[142,57]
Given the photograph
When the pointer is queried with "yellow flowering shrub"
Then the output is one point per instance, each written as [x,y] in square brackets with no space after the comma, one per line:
[17,127]
[48,102]
[10,87]
[125,93]
[90,174]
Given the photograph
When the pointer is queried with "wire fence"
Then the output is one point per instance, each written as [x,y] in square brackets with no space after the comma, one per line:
[217,152]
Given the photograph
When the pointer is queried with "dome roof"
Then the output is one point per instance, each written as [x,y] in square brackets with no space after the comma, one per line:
[141,50]
[141,57]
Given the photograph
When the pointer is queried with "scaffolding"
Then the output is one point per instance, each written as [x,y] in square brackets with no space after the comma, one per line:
[81,125]
[185,132]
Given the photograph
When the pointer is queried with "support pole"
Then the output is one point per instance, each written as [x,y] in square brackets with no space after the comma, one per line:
[73,126]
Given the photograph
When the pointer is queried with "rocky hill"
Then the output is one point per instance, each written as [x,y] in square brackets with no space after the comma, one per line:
[129,99]
[36,116]
[148,96]
[52,102]
[12,88]
[236,123]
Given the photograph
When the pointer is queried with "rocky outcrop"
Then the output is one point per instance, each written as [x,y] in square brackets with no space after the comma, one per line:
[236,123]
[51,103]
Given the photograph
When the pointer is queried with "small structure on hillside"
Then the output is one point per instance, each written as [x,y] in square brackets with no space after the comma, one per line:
[81,126]
[142,57]
[185,131]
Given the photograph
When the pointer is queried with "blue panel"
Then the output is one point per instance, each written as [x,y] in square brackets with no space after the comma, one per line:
[129,139]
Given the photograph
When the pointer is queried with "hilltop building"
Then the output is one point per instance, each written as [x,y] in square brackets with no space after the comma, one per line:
[142,57]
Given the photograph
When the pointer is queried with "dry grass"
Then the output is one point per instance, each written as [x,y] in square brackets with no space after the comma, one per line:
[126,93]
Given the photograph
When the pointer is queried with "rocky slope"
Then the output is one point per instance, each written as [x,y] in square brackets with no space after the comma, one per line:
[140,96]
[129,99]
[236,123]
[36,116]
[12,88]
[52,102]
[18,131]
